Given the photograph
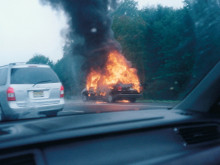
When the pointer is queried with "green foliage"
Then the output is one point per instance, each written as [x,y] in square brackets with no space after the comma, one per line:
[40,59]
[160,44]
[206,15]
[62,69]
[69,71]
[128,8]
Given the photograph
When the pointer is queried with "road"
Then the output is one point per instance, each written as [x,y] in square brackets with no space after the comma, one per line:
[79,107]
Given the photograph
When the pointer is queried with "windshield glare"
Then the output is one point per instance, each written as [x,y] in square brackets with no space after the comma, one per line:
[118,53]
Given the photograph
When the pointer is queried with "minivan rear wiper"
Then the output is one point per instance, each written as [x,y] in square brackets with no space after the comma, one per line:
[40,82]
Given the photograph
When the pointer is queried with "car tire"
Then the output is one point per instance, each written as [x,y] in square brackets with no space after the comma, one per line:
[132,100]
[110,99]
[2,116]
[84,98]
[52,113]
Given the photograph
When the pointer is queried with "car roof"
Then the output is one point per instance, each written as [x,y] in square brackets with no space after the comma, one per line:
[30,65]
[24,65]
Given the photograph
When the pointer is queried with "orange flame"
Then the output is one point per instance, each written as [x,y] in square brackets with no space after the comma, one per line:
[100,102]
[117,70]
[124,101]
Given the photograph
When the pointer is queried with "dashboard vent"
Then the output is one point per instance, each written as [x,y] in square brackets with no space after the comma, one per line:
[27,159]
[199,134]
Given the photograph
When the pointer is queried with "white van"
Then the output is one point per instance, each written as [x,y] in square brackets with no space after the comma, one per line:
[27,88]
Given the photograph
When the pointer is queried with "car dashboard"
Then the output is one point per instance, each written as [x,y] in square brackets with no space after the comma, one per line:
[130,137]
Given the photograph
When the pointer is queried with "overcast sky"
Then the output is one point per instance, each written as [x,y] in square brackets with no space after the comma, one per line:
[27,28]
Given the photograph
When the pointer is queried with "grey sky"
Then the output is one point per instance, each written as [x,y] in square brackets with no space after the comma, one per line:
[27,28]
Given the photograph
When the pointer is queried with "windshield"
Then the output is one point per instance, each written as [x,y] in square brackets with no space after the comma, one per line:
[104,56]
[33,75]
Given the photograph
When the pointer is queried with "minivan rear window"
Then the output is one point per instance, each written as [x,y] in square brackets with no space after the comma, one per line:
[33,75]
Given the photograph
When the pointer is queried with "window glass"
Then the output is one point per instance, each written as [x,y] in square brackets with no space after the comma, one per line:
[33,76]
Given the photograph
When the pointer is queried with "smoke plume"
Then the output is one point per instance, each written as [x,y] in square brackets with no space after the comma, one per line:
[90,29]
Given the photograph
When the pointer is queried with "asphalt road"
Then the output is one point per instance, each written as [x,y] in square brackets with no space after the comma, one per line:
[79,107]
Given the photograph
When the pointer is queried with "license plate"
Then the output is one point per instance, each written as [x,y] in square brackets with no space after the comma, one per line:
[131,89]
[38,94]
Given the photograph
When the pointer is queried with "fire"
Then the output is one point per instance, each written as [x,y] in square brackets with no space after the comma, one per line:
[117,70]
[124,101]
[100,102]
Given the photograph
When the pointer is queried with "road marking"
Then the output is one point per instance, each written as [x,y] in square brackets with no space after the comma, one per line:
[78,111]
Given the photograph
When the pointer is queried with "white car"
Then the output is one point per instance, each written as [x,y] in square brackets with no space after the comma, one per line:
[29,88]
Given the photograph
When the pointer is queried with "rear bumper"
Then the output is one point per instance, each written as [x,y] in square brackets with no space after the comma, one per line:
[17,109]
[127,96]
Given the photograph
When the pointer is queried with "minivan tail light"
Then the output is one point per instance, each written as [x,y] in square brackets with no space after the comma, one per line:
[11,94]
[61,91]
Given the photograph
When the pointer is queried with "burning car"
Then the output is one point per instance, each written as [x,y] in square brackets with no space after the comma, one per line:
[118,92]
[118,80]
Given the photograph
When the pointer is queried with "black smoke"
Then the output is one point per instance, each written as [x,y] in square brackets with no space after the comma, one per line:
[90,29]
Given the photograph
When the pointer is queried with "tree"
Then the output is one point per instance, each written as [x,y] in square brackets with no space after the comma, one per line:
[40,59]
[171,44]
[69,71]
[206,15]
[160,43]
[129,30]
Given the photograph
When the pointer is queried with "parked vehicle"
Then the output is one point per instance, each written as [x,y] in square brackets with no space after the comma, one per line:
[29,88]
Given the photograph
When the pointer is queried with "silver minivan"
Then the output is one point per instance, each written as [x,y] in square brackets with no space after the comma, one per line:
[29,89]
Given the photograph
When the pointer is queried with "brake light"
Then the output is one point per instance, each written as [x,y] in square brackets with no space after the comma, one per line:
[11,94]
[61,91]
[119,88]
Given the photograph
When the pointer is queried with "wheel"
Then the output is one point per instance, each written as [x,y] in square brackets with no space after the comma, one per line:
[110,99]
[2,117]
[132,100]
[84,98]
[51,113]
